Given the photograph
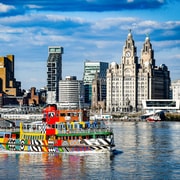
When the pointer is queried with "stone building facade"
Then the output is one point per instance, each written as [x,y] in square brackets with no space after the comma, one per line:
[131,81]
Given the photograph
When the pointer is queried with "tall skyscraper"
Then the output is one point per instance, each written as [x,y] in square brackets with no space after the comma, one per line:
[90,70]
[8,83]
[131,82]
[54,73]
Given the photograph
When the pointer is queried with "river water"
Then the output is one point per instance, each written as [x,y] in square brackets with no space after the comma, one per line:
[143,151]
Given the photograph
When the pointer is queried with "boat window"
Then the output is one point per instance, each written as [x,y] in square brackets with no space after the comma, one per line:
[62,114]
[75,126]
[68,114]
[51,114]
[7,135]
[69,126]
[65,138]
[61,126]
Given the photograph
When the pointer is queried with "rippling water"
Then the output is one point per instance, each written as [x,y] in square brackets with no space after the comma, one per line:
[144,151]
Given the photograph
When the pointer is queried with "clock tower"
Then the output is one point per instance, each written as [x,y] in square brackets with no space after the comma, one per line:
[128,74]
[129,51]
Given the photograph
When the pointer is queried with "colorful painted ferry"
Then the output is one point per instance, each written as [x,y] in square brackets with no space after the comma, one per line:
[59,131]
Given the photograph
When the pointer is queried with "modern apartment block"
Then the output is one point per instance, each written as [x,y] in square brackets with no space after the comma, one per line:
[131,82]
[91,68]
[8,83]
[71,93]
[54,73]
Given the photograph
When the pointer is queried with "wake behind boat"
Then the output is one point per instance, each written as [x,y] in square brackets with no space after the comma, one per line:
[59,131]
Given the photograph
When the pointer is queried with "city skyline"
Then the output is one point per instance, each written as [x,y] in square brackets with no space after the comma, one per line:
[87,30]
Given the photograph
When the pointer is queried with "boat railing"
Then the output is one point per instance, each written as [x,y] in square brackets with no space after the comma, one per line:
[32,130]
[88,130]
[74,131]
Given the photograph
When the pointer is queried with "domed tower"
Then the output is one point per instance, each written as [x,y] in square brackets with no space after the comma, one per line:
[147,60]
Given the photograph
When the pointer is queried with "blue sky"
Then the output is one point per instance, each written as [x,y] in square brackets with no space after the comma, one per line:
[88,30]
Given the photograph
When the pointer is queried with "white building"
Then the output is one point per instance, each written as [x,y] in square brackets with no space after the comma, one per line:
[131,81]
[153,105]
[176,90]
[71,93]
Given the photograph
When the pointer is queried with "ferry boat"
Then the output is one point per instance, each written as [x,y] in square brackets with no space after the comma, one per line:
[68,131]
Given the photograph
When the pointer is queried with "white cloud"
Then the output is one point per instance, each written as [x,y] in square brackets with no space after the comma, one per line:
[55,17]
[32,6]
[5,8]
[161,1]
[130,1]
[148,23]
[18,19]
[109,22]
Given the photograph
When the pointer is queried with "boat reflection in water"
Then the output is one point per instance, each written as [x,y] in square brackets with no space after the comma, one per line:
[148,151]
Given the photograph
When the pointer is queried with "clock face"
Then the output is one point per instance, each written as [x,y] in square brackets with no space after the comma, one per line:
[128,54]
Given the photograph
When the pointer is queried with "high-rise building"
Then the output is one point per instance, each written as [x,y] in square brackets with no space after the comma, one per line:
[90,70]
[131,82]
[8,83]
[71,93]
[54,73]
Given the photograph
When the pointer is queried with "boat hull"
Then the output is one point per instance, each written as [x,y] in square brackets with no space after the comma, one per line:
[57,146]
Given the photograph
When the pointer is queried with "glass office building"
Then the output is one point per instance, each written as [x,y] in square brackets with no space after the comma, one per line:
[91,68]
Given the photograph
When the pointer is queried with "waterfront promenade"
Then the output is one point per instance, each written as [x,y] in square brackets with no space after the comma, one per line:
[121,117]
